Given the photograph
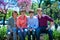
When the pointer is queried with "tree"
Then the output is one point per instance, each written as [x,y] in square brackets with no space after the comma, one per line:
[24,4]
[3,10]
[39,3]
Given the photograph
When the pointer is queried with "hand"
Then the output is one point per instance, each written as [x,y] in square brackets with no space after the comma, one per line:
[21,29]
[33,29]
[47,28]
[11,31]
[26,30]
[30,29]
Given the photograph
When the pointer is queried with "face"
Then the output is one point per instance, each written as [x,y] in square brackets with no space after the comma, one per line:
[31,14]
[39,12]
[15,15]
[22,13]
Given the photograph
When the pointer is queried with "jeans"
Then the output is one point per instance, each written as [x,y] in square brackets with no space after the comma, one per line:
[21,34]
[43,30]
[31,33]
[13,31]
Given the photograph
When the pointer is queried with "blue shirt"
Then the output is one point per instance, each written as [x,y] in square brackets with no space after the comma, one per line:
[32,22]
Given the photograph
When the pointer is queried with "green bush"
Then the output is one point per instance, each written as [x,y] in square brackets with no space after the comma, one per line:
[9,14]
[46,37]
[1,15]
[3,30]
[56,35]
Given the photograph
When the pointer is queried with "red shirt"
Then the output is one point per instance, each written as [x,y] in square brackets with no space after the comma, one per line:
[44,20]
[22,22]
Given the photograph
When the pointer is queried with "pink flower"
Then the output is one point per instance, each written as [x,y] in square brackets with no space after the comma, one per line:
[26,3]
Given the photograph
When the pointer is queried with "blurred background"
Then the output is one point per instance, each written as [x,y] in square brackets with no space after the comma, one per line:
[50,7]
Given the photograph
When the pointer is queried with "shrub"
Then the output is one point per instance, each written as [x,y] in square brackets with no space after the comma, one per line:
[3,30]
[56,35]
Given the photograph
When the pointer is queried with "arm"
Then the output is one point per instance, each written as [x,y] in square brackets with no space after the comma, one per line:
[18,23]
[51,24]
[36,23]
[49,18]
[51,21]
[9,24]
[28,23]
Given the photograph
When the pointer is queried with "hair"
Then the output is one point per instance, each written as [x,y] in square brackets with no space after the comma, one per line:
[31,11]
[14,12]
[23,10]
[39,9]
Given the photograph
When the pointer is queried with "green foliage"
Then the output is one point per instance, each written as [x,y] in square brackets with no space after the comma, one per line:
[52,11]
[1,15]
[34,6]
[46,37]
[56,35]
[59,22]
[3,31]
[9,14]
